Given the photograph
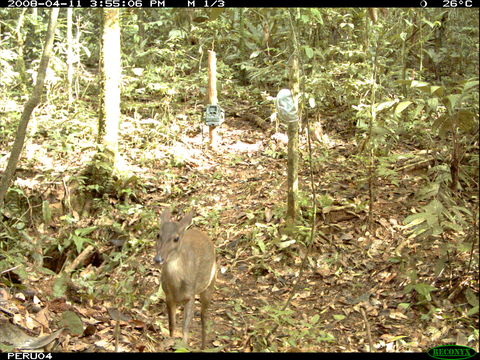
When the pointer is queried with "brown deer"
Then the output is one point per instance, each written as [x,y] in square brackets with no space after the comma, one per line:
[188,268]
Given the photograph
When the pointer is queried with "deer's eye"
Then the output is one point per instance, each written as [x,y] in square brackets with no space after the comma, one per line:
[176,238]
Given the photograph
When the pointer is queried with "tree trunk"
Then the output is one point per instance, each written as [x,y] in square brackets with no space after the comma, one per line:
[101,82]
[29,107]
[69,56]
[141,21]
[212,94]
[20,65]
[112,71]
[292,165]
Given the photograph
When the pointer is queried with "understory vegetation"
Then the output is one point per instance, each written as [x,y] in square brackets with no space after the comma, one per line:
[389,103]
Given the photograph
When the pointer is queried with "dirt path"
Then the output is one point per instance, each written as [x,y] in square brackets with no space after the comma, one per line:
[351,293]
[348,284]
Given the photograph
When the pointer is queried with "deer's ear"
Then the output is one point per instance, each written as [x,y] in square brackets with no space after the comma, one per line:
[186,221]
[165,217]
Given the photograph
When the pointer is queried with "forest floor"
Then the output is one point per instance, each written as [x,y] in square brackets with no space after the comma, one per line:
[351,294]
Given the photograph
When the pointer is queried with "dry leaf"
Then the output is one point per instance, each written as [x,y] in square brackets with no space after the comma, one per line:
[268,215]
[42,317]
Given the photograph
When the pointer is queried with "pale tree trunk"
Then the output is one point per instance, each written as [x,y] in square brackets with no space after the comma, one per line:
[293,127]
[212,95]
[29,107]
[20,60]
[292,161]
[112,72]
[101,82]
[69,56]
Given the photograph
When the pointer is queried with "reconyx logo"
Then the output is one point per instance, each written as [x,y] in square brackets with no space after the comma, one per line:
[448,352]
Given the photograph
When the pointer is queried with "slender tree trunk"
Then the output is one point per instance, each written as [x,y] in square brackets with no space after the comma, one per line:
[212,95]
[112,71]
[141,21]
[241,44]
[292,161]
[293,127]
[372,159]
[20,60]
[455,162]
[101,81]
[29,107]
[69,56]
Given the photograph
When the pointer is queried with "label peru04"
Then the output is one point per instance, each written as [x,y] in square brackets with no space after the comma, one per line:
[448,352]
[29,356]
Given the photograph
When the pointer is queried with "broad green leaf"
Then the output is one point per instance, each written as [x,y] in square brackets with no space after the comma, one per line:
[20,225]
[453,226]
[465,120]
[402,106]
[436,229]
[469,85]
[432,104]
[464,246]
[79,241]
[46,271]
[385,105]
[418,110]
[419,230]
[85,231]
[72,322]
[453,100]
[471,297]
[429,23]
[60,286]
[436,90]
[404,82]
[414,220]
[434,207]
[379,130]
[428,191]
[460,209]
[175,33]
[314,319]
[287,243]
[324,336]
[7,348]
[419,84]
[339,317]
[472,311]
[308,52]
[261,245]
[425,290]
[432,219]
[255,54]
[408,288]
[318,16]
[442,124]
